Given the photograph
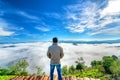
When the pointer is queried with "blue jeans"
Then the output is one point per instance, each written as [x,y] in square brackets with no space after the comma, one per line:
[52,67]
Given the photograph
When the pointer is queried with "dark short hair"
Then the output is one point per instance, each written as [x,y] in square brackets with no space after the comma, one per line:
[55,40]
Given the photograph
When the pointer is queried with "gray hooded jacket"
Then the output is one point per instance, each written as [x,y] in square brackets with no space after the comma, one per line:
[55,53]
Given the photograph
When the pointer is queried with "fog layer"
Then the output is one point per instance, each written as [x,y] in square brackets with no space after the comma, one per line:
[36,53]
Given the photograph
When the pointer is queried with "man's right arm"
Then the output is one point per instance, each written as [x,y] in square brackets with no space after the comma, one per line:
[48,53]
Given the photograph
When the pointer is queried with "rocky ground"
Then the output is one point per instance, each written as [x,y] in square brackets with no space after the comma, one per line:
[47,78]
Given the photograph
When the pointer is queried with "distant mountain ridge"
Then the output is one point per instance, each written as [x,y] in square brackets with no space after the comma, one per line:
[73,41]
[92,42]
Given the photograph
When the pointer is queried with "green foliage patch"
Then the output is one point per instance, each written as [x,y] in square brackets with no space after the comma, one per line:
[6,77]
[106,69]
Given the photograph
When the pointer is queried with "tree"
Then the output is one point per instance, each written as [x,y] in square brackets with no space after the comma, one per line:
[114,57]
[14,70]
[19,68]
[39,70]
[80,60]
[115,69]
[64,70]
[4,71]
[79,66]
[107,62]
[71,69]
[96,63]
[23,64]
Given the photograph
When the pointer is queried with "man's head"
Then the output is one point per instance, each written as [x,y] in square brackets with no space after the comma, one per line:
[55,40]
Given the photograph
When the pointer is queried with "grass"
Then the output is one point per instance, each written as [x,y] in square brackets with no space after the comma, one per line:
[6,77]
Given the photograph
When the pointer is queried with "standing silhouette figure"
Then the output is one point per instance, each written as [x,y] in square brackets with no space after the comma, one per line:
[55,53]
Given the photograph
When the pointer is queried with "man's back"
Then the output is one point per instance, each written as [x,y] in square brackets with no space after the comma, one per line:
[55,53]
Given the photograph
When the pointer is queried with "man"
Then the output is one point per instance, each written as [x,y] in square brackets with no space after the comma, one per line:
[55,53]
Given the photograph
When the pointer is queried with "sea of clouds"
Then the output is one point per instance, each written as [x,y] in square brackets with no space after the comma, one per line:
[36,53]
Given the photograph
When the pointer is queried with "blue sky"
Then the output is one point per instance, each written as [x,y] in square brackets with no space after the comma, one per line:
[40,20]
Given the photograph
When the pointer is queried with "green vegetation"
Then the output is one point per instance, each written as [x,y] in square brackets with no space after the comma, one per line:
[39,71]
[18,69]
[108,68]
[115,69]
[6,77]
[65,70]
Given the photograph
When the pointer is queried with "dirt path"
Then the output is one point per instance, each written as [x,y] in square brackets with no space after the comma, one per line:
[47,78]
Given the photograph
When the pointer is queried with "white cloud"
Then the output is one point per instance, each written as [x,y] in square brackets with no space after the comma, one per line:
[43,29]
[111,30]
[81,17]
[108,31]
[27,15]
[8,29]
[112,8]
[35,53]
[106,21]
[89,16]
[3,31]
[76,28]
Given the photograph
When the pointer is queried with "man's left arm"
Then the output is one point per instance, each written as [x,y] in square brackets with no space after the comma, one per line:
[61,53]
